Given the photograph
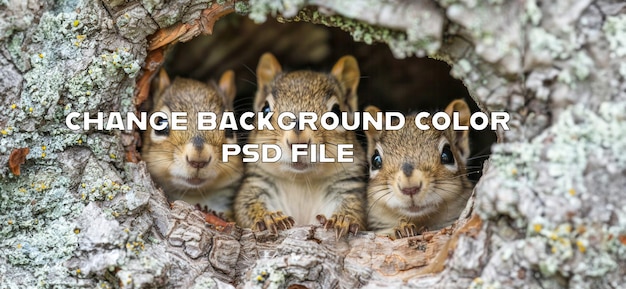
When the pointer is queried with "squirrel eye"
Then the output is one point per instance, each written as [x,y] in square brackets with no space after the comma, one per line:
[228,133]
[447,158]
[266,108]
[377,161]
[336,110]
[162,121]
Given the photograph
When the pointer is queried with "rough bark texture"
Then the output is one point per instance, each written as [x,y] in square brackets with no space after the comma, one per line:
[550,210]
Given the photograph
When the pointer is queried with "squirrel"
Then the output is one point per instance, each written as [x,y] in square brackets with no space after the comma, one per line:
[418,178]
[187,164]
[276,196]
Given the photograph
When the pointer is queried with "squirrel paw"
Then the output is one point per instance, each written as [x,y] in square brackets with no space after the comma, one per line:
[406,229]
[274,221]
[342,224]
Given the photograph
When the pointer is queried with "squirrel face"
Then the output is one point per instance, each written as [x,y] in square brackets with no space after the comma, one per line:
[189,161]
[305,91]
[418,173]
[277,195]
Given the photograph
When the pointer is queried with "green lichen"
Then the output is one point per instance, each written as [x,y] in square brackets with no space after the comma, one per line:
[14,47]
[104,285]
[576,70]
[582,65]
[102,189]
[61,38]
[266,275]
[543,189]
[150,5]
[203,282]
[568,152]
[402,43]
[563,242]
[480,283]
[495,39]
[533,13]
[545,43]
[615,31]
[446,3]
[259,9]
[242,8]
[467,68]
[99,74]
[37,231]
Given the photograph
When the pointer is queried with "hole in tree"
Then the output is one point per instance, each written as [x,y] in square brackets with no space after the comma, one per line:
[406,85]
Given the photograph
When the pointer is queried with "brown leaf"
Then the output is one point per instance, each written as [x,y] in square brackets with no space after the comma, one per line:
[165,36]
[217,220]
[175,33]
[17,158]
[154,60]
[212,14]
[133,156]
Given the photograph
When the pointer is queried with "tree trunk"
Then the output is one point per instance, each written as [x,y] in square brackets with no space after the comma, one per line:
[82,211]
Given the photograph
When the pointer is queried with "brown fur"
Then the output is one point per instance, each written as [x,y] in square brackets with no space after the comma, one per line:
[303,190]
[170,157]
[411,158]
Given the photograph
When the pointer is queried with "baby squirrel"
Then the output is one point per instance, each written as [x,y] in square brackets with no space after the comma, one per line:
[276,196]
[417,177]
[187,164]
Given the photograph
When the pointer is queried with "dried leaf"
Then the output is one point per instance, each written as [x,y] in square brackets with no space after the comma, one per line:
[218,222]
[154,60]
[16,159]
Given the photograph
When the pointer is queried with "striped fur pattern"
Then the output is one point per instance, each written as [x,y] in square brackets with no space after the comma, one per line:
[187,164]
[418,177]
[276,196]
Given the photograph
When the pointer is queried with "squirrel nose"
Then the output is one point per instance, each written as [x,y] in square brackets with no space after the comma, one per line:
[412,190]
[297,130]
[407,169]
[198,164]
[198,142]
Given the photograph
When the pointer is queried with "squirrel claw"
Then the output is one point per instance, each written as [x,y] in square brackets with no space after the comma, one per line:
[274,221]
[354,228]
[406,229]
[321,219]
[205,210]
[342,224]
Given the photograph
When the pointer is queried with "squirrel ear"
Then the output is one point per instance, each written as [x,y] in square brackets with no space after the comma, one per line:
[372,133]
[346,70]
[159,84]
[461,137]
[227,86]
[267,69]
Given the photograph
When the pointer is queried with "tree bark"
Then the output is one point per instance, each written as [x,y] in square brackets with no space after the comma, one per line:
[549,211]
